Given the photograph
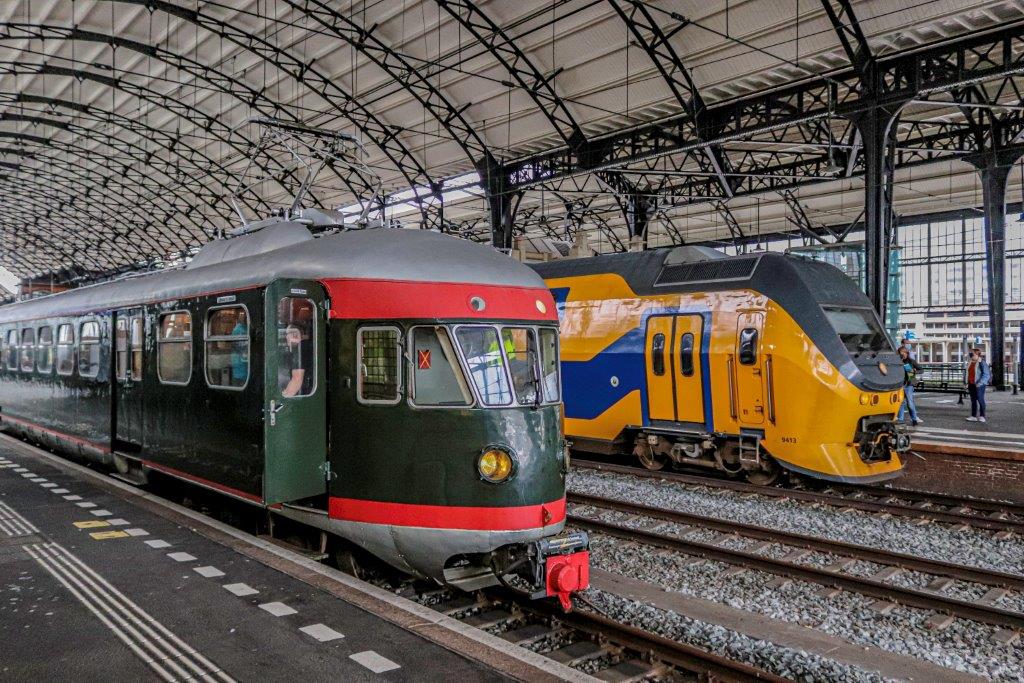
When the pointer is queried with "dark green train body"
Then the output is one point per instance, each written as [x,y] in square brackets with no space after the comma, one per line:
[399,389]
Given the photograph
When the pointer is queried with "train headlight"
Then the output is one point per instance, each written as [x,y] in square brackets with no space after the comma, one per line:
[864,399]
[495,465]
[883,368]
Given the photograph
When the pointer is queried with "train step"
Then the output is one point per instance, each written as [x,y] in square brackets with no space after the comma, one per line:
[630,671]
[314,555]
[577,653]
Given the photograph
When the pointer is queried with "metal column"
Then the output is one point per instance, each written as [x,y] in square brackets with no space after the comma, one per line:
[502,204]
[637,210]
[875,125]
[995,172]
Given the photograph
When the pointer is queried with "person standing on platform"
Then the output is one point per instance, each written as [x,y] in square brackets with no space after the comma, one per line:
[910,370]
[978,376]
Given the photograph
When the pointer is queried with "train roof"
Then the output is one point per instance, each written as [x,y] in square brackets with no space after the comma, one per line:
[274,253]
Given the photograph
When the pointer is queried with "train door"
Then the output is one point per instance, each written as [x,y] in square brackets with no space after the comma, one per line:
[295,404]
[749,368]
[689,383]
[660,391]
[129,341]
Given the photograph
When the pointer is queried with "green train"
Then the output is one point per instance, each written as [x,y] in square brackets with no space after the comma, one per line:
[398,389]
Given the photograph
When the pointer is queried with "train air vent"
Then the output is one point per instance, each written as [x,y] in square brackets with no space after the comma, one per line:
[707,271]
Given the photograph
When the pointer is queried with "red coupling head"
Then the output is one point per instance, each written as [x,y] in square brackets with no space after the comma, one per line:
[566,574]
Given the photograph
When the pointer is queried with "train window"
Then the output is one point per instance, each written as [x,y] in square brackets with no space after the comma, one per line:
[44,352]
[65,349]
[549,364]
[28,350]
[121,342]
[227,347]
[748,346]
[520,346]
[296,346]
[859,329]
[174,348]
[658,354]
[12,350]
[379,379]
[138,333]
[686,355]
[437,378]
[481,349]
[89,349]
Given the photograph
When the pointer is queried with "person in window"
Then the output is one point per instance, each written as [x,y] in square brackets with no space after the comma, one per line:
[240,352]
[978,376]
[910,370]
[292,375]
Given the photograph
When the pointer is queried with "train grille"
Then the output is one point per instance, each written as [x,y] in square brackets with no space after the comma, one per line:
[707,271]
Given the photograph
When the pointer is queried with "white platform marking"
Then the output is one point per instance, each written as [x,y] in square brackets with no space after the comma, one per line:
[38,480]
[49,485]
[20,469]
[72,498]
[321,632]
[374,662]
[101,513]
[86,504]
[59,491]
[240,589]
[117,521]
[278,609]
[158,544]
[208,572]
[181,557]
[136,532]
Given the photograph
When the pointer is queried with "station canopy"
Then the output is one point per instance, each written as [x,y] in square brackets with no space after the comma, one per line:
[123,127]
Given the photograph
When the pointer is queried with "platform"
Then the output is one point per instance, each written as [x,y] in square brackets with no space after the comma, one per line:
[96,584]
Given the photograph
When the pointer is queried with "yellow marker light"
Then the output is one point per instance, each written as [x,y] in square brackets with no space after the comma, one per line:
[494,465]
[864,399]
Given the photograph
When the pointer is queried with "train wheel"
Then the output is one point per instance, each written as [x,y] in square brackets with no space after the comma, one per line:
[649,459]
[769,476]
[346,561]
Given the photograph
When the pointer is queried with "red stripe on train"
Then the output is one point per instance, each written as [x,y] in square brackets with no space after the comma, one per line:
[448,516]
[360,298]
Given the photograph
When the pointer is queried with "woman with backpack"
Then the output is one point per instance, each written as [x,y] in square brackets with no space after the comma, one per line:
[910,370]
[978,376]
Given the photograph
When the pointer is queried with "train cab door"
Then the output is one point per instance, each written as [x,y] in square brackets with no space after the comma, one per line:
[749,369]
[689,381]
[129,343]
[658,359]
[295,401]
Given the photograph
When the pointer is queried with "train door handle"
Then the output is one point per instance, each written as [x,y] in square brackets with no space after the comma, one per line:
[275,408]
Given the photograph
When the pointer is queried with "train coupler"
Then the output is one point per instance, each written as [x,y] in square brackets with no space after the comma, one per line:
[554,567]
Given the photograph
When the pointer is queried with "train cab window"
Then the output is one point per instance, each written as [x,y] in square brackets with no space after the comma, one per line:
[227,347]
[482,351]
[520,346]
[658,354]
[859,329]
[89,349]
[748,346]
[437,377]
[11,349]
[138,334]
[296,346]
[174,348]
[44,350]
[686,354]
[121,350]
[65,349]
[549,369]
[379,378]
[28,350]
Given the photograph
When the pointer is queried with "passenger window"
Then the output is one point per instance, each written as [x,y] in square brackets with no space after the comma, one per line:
[296,347]
[686,355]
[28,350]
[437,378]
[65,349]
[481,349]
[44,352]
[138,337]
[121,343]
[748,346]
[12,350]
[658,354]
[379,379]
[549,369]
[174,348]
[89,349]
[227,347]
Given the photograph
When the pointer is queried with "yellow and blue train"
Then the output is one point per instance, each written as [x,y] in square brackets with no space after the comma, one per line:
[756,365]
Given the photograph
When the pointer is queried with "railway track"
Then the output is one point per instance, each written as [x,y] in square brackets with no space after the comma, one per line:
[981,514]
[842,555]
[596,645]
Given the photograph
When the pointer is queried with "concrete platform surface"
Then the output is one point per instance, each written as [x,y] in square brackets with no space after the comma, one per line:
[93,587]
[945,423]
